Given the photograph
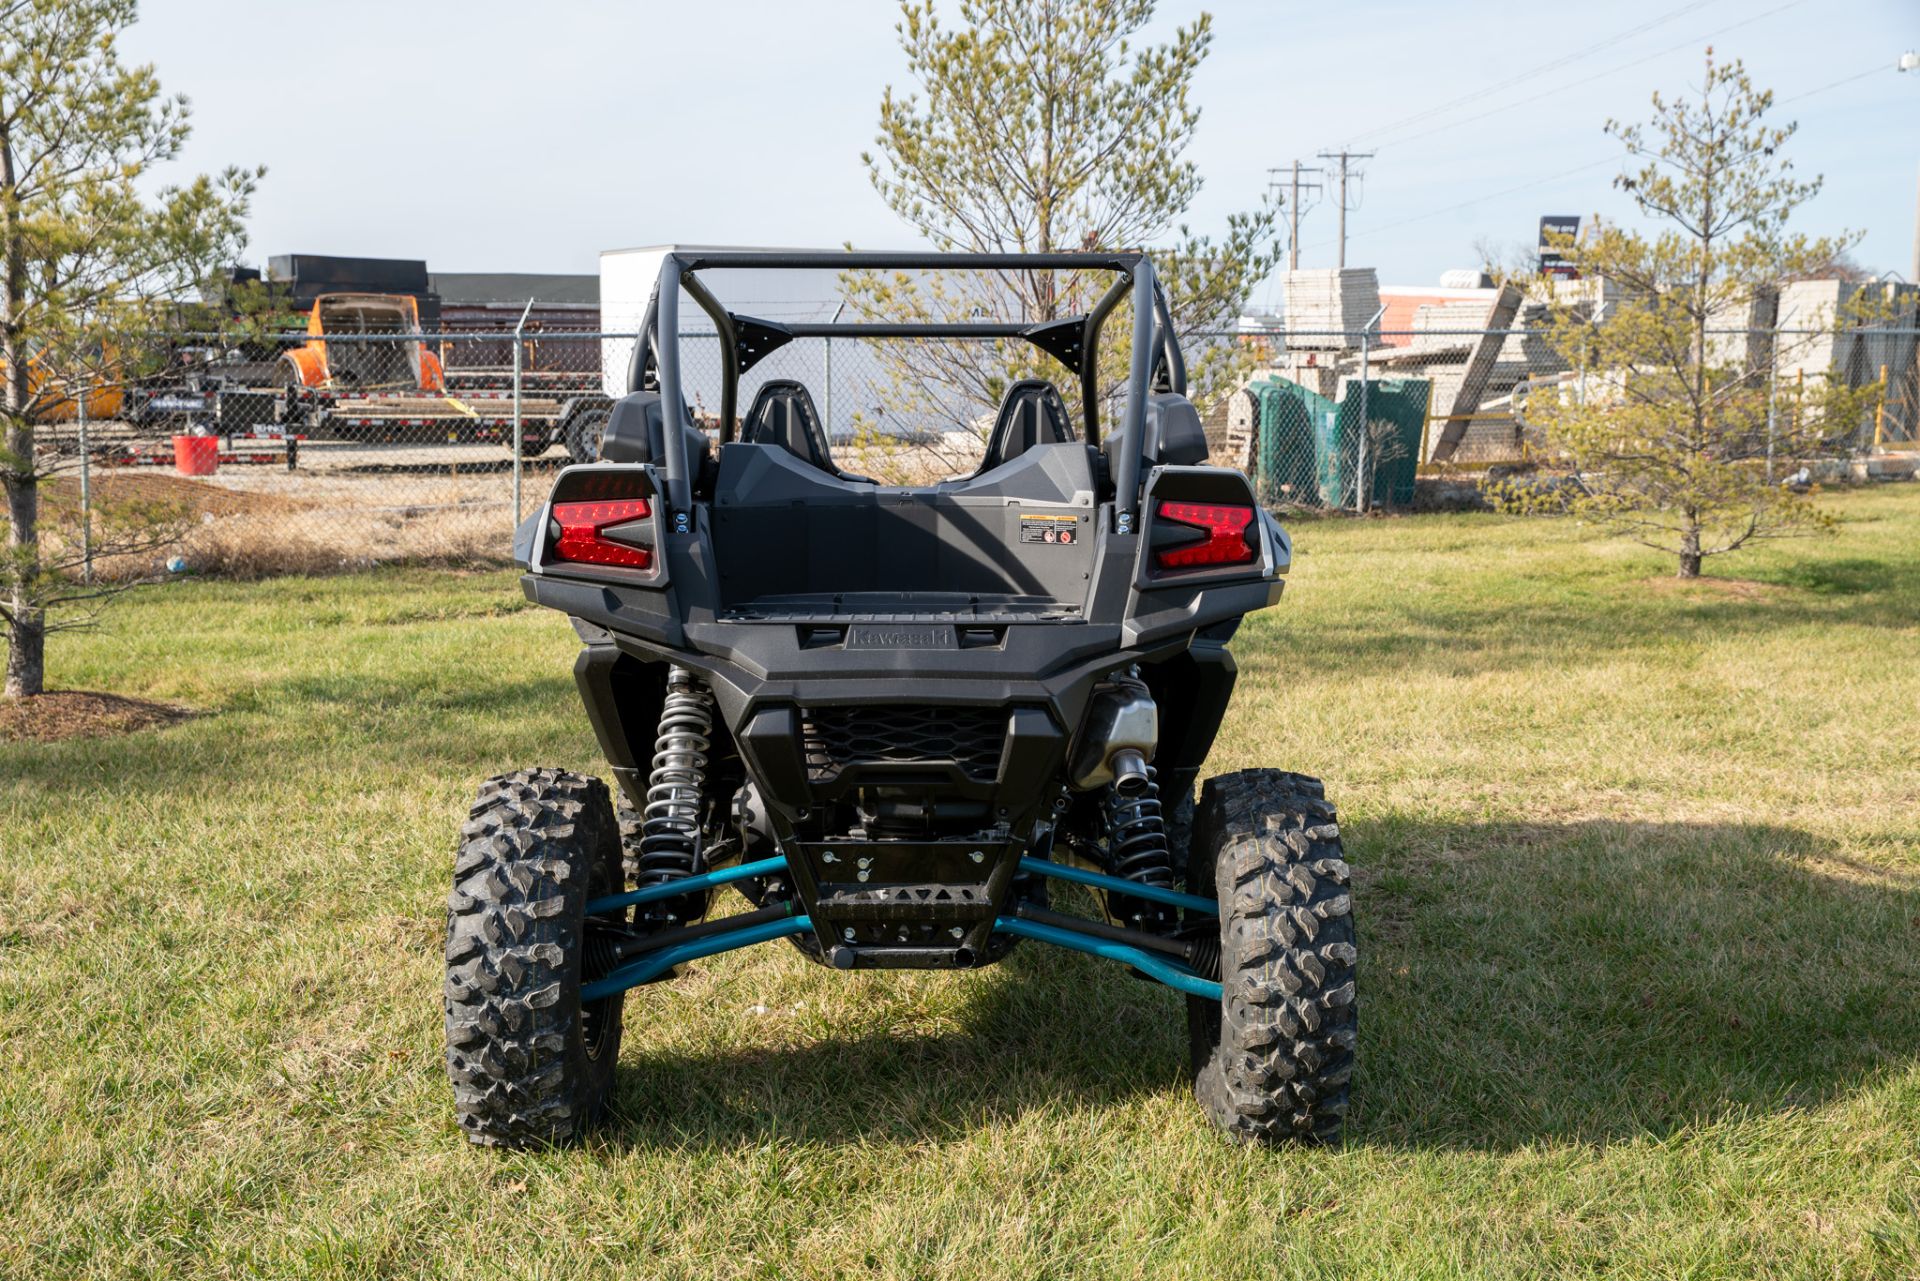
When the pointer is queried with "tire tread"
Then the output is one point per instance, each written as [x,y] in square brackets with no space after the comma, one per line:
[1273,1059]
[523,871]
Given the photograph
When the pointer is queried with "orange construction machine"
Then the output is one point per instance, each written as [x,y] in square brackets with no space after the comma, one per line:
[367,373]
[358,342]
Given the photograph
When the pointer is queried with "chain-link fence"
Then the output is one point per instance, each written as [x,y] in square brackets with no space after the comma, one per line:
[323,452]
[385,444]
[1352,420]
[319,452]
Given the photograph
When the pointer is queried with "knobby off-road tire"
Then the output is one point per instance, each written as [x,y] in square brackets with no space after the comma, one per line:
[633,827]
[1271,1059]
[530,1065]
[584,435]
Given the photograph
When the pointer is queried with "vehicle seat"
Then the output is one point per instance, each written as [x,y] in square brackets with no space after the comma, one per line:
[635,432]
[783,414]
[1031,413]
[1175,434]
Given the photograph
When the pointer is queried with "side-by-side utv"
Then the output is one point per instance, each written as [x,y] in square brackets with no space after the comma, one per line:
[893,718]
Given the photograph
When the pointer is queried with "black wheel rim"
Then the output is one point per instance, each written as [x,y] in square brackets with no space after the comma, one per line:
[598,958]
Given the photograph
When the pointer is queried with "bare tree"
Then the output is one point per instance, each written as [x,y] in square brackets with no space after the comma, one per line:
[1507,261]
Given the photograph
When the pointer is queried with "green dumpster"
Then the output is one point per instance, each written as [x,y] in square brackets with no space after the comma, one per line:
[1397,407]
[1292,421]
[1310,446]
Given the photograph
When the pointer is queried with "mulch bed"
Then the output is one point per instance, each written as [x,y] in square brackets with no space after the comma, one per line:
[74,713]
[1731,588]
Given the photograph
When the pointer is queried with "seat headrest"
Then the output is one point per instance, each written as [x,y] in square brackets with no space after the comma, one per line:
[1031,413]
[1175,434]
[635,431]
[783,414]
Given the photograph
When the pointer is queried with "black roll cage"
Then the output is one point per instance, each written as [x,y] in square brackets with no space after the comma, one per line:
[1156,363]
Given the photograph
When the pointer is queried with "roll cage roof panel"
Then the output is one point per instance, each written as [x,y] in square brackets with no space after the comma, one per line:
[1156,361]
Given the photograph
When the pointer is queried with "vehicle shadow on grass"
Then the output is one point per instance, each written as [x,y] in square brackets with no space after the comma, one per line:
[1578,982]
[1044,1029]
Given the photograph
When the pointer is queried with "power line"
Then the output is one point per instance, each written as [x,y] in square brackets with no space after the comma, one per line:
[1490,195]
[1875,70]
[1566,173]
[1478,94]
[1601,75]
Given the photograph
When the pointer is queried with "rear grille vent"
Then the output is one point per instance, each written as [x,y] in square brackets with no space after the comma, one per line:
[970,737]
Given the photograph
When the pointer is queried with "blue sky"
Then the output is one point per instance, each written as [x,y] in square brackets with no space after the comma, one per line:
[495,136]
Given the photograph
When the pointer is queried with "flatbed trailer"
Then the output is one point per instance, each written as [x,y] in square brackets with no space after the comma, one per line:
[471,379]
[573,420]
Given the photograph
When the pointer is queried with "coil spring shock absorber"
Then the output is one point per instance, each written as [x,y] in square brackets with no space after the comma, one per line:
[670,826]
[1137,841]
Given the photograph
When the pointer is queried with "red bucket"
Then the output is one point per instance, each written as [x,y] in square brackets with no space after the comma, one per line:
[196,455]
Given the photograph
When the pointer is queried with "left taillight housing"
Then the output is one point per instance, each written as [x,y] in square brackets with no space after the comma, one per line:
[599,532]
[603,520]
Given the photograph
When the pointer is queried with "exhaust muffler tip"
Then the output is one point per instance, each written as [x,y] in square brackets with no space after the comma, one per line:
[1129,772]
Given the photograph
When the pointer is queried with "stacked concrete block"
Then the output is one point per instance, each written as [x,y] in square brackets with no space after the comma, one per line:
[1328,307]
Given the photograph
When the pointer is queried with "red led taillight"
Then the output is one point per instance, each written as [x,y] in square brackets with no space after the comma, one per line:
[580,539]
[1226,527]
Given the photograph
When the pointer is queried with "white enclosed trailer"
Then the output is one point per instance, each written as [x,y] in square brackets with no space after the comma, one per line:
[627,279]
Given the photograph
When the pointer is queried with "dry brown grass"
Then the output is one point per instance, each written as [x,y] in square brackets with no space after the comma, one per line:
[896,462]
[117,490]
[258,523]
[331,540]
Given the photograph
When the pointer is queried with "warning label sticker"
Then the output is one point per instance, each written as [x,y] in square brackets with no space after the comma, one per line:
[1048,529]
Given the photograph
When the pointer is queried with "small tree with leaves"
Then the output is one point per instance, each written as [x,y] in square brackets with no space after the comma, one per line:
[89,266]
[1674,413]
[1040,127]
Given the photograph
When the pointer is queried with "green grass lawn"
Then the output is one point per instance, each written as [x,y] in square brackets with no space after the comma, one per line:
[1638,891]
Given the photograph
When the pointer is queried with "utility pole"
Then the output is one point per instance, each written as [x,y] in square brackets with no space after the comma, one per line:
[1294,210]
[1910,61]
[1345,157]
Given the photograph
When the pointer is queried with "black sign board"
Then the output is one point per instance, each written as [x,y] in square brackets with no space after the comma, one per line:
[1552,262]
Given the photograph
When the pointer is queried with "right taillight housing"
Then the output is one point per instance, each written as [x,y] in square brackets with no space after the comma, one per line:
[1190,536]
